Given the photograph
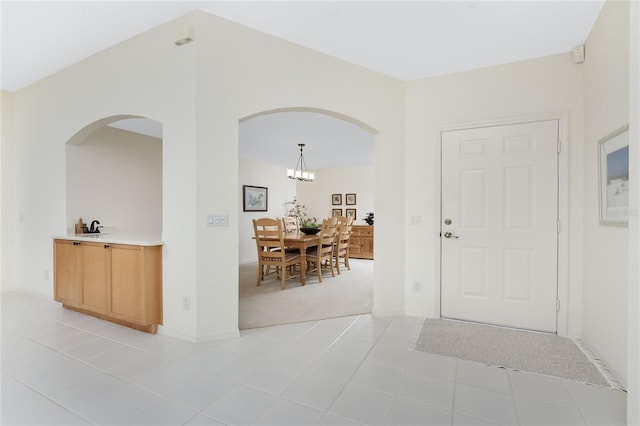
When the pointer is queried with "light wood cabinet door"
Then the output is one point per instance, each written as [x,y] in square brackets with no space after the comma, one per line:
[367,246]
[95,277]
[136,283]
[361,242]
[67,272]
[127,282]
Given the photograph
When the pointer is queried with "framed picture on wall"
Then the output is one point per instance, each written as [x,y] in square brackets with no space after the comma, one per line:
[614,178]
[336,199]
[254,198]
[336,212]
[351,213]
[350,199]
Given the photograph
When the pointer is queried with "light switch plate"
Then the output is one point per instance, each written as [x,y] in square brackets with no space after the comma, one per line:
[217,219]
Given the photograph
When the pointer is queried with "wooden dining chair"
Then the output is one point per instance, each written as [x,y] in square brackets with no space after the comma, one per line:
[341,252]
[271,251]
[322,254]
[332,223]
[343,220]
[290,224]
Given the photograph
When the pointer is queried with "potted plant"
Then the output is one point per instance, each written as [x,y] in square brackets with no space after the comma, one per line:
[310,226]
[369,218]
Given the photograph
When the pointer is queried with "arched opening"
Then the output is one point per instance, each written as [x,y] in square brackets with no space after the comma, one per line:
[114,174]
[341,152]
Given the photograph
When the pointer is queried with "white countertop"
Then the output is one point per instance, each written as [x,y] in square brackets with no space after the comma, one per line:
[116,238]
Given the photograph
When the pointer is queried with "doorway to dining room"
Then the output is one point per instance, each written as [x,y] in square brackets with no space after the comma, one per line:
[341,153]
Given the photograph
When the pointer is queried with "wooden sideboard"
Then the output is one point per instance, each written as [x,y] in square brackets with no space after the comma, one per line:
[361,246]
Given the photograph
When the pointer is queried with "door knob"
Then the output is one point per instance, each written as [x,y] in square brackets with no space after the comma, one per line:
[450,235]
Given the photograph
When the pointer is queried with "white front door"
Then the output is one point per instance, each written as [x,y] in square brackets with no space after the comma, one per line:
[500,225]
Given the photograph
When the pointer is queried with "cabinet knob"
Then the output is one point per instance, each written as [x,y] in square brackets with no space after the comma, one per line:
[106,246]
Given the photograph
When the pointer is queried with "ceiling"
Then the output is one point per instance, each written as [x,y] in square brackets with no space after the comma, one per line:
[406,40]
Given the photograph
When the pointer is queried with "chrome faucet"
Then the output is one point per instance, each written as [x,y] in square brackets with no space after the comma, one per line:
[94,229]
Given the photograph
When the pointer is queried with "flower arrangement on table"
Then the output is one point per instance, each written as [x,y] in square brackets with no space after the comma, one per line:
[299,211]
[369,218]
[310,223]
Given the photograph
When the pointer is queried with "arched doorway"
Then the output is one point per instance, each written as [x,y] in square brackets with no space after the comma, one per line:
[341,151]
[114,174]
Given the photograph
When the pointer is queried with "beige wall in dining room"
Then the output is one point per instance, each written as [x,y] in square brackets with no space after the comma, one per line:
[316,195]
[280,189]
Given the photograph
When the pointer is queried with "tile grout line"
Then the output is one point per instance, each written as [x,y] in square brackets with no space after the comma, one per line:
[360,364]
[305,371]
[108,373]
[64,407]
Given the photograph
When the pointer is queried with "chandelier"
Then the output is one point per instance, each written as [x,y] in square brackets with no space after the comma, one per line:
[301,172]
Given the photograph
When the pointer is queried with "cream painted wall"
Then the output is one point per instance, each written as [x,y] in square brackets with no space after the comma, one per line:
[243,72]
[548,85]
[606,88]
[280,190]
[8,216]
[146,76]
[316,195]
[199,92]
[115,176]
[633,310]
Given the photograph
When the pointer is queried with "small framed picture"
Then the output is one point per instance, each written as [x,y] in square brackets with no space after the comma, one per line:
[614,178]
[336,212]
[336,199]
[351,213]
[350,199]
[254,198]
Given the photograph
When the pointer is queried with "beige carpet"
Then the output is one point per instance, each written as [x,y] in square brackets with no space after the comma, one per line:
[540,353]
[349,293]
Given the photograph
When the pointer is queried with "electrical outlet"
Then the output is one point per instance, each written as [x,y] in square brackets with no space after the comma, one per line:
[415,219]
[46,274]
[417,286]
[186,303]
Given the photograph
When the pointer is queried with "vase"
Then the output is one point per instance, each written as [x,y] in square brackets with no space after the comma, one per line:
[310,231]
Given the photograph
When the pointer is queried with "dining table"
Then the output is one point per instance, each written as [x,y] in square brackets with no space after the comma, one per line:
[302,242]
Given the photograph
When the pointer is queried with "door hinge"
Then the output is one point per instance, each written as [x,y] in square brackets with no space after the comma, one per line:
[557,305]
[559,226]
[559,147]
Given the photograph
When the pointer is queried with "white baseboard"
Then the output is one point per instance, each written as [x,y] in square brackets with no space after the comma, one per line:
[198,339]
[387,314]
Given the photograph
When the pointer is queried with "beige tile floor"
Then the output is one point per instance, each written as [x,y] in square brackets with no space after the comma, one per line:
[63,368]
